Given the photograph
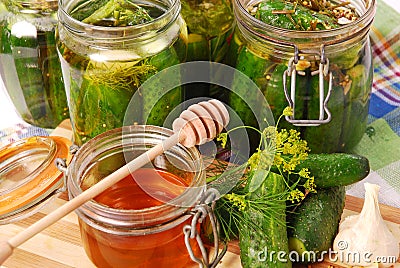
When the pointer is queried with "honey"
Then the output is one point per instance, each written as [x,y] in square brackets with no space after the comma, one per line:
[138,222]
[143,189]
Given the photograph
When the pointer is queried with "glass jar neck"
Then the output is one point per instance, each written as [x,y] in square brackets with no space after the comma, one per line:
[110,36]
[262,36]
[129,142]
[32,6]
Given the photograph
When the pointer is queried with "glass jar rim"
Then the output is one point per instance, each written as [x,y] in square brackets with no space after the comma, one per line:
[285,36]
[133,217]
[35,177]
[35,4]
[119,32]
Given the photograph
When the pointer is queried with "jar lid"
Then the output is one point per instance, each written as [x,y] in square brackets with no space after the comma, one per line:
[28,174]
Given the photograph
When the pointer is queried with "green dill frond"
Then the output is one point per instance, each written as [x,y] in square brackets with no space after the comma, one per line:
[119,75]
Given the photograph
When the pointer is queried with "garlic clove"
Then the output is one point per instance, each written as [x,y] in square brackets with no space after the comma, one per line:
[365,239]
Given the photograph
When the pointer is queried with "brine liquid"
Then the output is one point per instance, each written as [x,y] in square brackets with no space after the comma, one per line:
[164,249]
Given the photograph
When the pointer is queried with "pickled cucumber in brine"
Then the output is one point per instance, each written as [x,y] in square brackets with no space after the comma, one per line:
[105,73]
[31,69]
[265,61]
[209,25]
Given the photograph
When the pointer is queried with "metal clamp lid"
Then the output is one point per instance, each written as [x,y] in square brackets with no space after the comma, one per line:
[201,211]
[323,70]
[29,177]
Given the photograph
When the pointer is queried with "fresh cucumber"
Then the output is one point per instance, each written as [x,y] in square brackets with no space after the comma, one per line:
[312,227]
[259,245]
[331,170]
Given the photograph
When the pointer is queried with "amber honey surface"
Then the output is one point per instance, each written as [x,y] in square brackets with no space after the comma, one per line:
[145,188]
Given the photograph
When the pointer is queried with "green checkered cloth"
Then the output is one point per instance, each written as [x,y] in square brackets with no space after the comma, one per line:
[381,143]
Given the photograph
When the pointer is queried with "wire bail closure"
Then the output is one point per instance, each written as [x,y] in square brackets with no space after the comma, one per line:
[61,165]
[323,70]
[201,211]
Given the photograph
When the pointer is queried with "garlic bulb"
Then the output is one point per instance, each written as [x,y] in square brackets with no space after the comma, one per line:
[365,239]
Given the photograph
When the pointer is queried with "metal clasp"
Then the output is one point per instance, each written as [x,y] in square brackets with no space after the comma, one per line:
[61,165]
[323,70]
[201,211]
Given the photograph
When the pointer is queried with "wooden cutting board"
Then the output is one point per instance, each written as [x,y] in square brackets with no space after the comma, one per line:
[59,246]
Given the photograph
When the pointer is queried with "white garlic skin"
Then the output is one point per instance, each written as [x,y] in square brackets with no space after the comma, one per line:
[365,239]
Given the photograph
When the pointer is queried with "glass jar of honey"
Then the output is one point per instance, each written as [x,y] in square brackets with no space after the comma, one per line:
[30,67]
[300,57]
[139,221]
[108,49]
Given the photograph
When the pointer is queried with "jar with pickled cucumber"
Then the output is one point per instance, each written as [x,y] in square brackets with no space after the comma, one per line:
[108,49]
[313,56]
[210,25]
[30,67]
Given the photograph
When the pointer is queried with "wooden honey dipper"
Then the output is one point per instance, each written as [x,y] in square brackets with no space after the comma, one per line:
[197,125]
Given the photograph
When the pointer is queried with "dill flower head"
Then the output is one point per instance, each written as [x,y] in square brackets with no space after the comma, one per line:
[295,196]
[290,149]
[237,200]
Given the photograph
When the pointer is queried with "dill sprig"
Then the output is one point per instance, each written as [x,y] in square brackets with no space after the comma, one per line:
[279,152]
[118,75]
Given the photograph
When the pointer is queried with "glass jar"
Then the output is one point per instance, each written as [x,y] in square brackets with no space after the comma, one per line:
[324,75]
[210,25]
[103,66]
[31,70]
[137,222]
[29,178]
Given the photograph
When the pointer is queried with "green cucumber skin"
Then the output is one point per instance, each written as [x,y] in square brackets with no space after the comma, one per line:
[332,170]
[325,137]
[198,50]
[100,106]
[335,169]
[54,81]
[25,51]
[251,65]
[166,103]
[356,106]
[272,237]
[86,8]
[316,220]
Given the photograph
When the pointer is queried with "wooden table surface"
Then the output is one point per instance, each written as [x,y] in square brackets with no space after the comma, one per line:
[59,246]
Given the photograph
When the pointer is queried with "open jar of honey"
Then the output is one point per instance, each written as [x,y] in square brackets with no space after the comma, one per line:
[139,221]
